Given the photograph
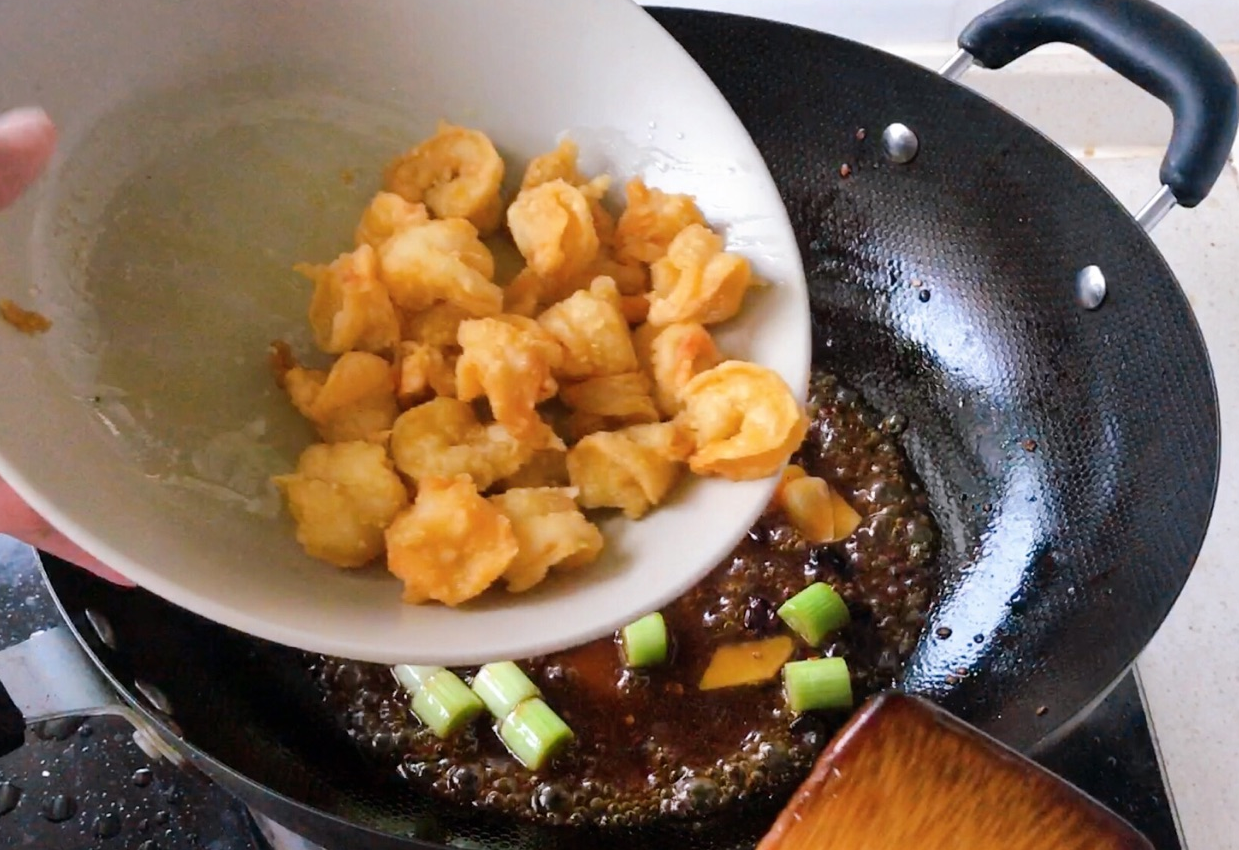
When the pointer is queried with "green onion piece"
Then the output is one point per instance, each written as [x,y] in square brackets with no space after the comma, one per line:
[645,641]
[412,677]
[819,683]
[534,734]
[503,686]
[815,612]
[445,703]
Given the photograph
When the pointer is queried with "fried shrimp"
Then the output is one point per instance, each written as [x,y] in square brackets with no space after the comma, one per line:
[588,381]
[650,221]
[559,164]
[698,281]
[551,532]
[673,356]
[450,544]
[440,261]
[632,469]
[388,214]
[443,438]
[351,308]
[553,227]
[457,173]
[342,497]
[745,419]
[356,400]
[593,332]
[510,360]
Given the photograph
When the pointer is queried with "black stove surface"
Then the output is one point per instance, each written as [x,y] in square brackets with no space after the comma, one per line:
[89,786]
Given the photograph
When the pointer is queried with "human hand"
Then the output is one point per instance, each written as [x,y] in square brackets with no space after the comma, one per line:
[27,139]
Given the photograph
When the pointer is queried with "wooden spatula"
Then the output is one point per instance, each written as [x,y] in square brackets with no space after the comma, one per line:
[905,775]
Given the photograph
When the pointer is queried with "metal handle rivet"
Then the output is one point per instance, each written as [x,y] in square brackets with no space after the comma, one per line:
[153,695]
[102,628]
[899,143]
[1090,287]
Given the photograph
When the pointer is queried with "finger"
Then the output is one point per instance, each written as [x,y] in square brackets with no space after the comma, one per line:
[27,139]
[17,519]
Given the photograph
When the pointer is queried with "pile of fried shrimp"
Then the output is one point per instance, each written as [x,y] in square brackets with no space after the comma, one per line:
[467,426]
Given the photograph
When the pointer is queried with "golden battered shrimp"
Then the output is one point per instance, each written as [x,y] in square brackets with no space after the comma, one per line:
[443,438]
[451,544]
[632,469]
[673,356]
[351,308]
[547,468]
[457,172]
[522,294]
[593,332]
[424,371]
[440,261]
[697,281]
[436,326]
[342,497]
[387,214]
[550,531]
[629,280]
[651,219]
[553,227]
[354,401]
[609,401]
[559,164]
[510,360]
[669,440]
[746,421]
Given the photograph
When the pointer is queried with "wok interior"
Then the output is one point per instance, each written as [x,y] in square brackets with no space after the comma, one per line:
[1070,456]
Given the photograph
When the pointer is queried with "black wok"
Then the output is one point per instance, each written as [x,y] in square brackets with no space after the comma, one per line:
[1070,449]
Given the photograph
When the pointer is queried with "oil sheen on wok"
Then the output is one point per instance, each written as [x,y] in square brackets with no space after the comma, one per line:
[648,742]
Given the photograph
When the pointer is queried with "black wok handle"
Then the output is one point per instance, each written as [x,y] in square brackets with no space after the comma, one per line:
[1155,49]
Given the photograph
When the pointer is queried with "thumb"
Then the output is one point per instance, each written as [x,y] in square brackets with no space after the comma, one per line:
[27,139]
[17,519]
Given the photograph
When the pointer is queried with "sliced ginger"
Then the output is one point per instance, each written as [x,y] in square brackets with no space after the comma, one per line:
[751,663]
[816,509]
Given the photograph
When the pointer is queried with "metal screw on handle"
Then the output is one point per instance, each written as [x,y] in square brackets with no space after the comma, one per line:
[1149,215]
[1156,208]
[957,65]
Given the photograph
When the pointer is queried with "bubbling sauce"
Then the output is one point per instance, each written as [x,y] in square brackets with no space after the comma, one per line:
[648,743]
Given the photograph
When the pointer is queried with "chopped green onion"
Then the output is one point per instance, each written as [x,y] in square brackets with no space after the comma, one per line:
[534,734]
[503,686]
[815,612]
[819,683]
[445,703]
[413,677]
[645,641]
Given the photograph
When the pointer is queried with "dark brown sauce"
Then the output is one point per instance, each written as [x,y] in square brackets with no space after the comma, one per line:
[649,743]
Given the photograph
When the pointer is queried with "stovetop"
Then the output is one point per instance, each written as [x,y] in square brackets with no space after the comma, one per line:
[88,786]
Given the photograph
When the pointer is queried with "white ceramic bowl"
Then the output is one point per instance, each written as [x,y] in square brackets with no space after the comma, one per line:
[203,152]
